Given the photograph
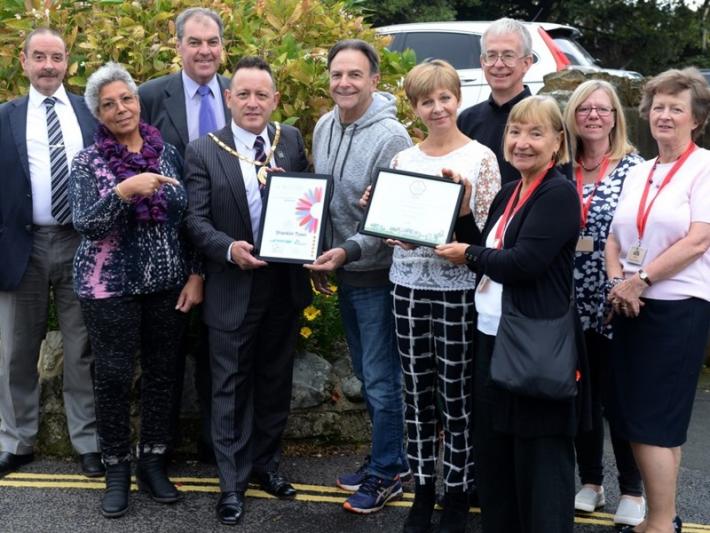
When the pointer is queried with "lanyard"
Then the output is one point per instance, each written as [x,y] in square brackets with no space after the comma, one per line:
[643,211]
[587,204]
[507,214]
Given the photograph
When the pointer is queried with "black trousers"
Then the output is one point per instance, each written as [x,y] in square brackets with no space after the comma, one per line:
[252,373]
[590,444]
[525,485]
[118,328]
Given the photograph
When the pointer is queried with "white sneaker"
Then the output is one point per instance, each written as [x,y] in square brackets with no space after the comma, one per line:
[588,500]
[630,513]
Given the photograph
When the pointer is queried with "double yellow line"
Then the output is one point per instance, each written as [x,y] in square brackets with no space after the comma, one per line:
[306,493]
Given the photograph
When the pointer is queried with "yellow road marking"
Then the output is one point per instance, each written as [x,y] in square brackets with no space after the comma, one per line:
[322,494]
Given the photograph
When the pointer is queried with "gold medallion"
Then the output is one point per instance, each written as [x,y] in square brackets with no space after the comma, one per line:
[264,165]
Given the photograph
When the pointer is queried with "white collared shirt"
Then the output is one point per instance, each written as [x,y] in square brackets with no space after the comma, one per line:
[193,100]
[38,149]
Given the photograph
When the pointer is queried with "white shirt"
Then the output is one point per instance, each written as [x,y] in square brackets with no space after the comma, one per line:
[38,149]
[193,101]
[489,296]
[686,199]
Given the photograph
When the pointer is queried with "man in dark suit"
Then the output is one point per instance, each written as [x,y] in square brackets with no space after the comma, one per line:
[185,106]
[251,308]
[39,135]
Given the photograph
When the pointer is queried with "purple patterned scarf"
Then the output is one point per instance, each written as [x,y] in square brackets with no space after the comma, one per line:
[125,164]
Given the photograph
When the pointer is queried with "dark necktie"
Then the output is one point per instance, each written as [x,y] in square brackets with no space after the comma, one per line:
[59,168]
[208,122]
[260,156]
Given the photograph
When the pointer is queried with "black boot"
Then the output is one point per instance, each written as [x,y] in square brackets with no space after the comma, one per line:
[455,513]
[419,517]
[118,484]
[151,477]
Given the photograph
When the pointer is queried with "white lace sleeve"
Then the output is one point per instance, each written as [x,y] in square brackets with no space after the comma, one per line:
[487,186]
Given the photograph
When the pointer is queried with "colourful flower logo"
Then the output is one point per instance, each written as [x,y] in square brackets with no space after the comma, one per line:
[308,209]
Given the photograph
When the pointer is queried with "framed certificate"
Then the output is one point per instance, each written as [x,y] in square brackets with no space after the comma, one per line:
[294,208]
[412,207]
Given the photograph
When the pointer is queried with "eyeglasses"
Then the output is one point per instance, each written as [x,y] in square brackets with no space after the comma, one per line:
[509,59]
[602,111]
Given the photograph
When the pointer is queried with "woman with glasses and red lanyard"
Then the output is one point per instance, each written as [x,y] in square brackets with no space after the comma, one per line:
[658,263]
[524,445]
[602,158]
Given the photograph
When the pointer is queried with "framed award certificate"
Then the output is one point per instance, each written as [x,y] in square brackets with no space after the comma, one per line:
[294,208]
[413,208]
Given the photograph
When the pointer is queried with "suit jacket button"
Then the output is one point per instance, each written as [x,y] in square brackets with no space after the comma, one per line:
[28,227]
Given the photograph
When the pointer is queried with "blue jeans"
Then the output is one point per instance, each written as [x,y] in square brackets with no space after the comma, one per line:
[369,330]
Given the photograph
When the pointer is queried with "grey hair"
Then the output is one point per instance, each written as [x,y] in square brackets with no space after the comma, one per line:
[504,26]
[106,74]
[200,12]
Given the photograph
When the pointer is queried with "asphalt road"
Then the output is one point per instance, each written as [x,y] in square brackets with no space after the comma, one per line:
[49,496]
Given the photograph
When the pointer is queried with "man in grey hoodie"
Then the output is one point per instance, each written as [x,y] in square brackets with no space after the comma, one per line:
[350,142]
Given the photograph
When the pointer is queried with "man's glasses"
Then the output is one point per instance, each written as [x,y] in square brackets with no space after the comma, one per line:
[602,111]
[509,59]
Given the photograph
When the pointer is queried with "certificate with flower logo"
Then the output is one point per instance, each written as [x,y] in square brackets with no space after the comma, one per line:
[411,207]
[294,207]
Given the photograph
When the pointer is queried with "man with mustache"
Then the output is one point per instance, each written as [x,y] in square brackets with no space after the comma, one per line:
[506,55]
[185,106]
[39,136]
[252,308]
[350,142]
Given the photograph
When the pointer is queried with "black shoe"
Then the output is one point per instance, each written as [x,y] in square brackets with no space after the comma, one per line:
[419,517]
[118,484]
[455,512]
[151,477]
[230,508]
[9,462]
[91,465]
[677,524]
[274,483]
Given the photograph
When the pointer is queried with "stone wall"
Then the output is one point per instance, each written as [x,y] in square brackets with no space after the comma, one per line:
[326,402]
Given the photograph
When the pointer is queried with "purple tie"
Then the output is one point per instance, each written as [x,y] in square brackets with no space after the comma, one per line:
[208,123]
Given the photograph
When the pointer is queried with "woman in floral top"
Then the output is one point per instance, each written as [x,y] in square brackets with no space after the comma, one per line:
[135,279]
[603,157]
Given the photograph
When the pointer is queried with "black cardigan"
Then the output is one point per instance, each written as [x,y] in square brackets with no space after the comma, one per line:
[536,266]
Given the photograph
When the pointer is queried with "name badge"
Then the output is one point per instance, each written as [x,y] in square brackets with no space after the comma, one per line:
[483,284]
[585,244]
[636,255]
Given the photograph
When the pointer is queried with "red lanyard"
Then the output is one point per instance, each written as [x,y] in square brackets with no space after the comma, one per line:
[643,211]
[507,215]
[587,204]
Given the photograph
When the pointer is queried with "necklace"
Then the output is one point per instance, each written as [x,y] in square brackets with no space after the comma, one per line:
[261,175]
[590,169]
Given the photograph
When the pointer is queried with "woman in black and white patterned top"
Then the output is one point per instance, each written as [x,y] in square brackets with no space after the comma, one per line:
[602,158]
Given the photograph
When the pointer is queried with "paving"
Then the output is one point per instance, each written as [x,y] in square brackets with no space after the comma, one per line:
[49,496]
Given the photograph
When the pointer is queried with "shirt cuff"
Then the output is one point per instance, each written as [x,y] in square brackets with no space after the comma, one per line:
[229,253]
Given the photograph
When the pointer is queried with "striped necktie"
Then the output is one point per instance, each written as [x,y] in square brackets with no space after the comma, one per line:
[59,172]
[260,156]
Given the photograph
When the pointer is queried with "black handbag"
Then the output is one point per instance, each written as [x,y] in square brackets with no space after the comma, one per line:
[536,357]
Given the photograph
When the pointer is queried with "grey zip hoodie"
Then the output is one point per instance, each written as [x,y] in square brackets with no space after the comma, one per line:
[352,155]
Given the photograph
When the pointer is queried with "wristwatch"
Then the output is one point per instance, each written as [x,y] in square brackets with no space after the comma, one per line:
[644,277]
[470,258]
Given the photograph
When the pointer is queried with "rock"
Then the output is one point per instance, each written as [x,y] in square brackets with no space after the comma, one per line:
[312,382]
[628,89]
[343,366]
[51,356]
[352,389]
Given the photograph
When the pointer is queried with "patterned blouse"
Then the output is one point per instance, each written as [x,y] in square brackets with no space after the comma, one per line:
[589,271]
[421,268]
[119,256]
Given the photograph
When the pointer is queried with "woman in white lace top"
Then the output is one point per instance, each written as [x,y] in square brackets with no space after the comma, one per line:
[433,305]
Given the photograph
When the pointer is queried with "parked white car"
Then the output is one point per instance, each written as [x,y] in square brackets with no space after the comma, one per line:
[459,43]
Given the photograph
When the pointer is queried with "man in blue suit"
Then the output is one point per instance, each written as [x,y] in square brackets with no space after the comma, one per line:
[39,135]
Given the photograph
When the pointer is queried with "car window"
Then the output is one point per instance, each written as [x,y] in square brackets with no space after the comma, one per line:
[574,52]
[462,50]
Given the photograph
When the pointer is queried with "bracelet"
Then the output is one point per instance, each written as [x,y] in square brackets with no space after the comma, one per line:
[611,283]
[125,199]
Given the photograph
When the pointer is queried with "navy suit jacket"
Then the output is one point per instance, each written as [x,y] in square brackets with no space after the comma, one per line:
[16,188]
[218,213]
[163,106]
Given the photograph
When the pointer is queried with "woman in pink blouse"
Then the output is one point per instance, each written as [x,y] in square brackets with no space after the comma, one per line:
[658,264]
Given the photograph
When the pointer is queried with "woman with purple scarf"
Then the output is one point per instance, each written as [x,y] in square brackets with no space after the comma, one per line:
[136,278]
